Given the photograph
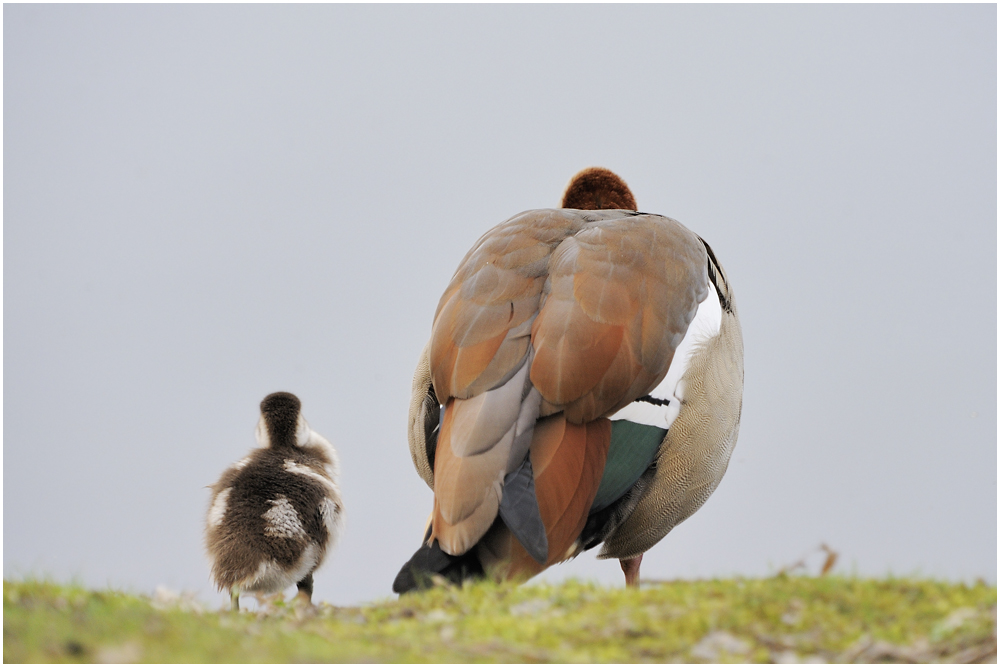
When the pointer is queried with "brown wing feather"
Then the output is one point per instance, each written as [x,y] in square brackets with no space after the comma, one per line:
[460,367]
[563,331]
[567,482]
[466,488]
[482,326]
[477,446]
[568,461]
[640,277]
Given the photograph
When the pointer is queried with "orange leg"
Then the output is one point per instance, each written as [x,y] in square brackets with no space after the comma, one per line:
[631,569]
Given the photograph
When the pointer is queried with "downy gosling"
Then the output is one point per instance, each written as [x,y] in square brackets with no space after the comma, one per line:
[276,513]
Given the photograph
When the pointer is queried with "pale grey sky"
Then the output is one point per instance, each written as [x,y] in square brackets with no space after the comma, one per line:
[205,204]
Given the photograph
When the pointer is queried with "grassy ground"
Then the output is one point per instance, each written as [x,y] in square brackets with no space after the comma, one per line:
[781,619]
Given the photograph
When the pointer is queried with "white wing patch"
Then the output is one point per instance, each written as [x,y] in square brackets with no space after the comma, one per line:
[314,439]
[705,326]
[219,506]
[282,520]
[640,412]
[331,488]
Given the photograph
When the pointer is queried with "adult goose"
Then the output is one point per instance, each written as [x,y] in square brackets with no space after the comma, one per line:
[582,385]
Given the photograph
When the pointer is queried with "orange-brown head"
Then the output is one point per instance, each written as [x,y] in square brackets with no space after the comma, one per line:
[596,188]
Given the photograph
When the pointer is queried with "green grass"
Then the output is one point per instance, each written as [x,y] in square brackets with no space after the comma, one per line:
[741,620]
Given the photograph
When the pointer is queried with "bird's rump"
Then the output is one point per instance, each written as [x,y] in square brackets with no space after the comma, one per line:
[558,313]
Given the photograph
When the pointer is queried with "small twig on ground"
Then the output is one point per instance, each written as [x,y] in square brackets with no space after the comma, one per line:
[800,564]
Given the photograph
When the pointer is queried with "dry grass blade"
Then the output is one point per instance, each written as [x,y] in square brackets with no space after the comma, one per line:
[802,564]
[831,559]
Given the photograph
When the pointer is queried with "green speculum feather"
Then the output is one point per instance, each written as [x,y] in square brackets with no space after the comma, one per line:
[633,448]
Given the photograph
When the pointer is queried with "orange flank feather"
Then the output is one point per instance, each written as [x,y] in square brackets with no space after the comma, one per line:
[568,461]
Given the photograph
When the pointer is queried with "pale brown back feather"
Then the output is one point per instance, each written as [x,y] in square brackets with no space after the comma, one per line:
[622,295]
[481,328]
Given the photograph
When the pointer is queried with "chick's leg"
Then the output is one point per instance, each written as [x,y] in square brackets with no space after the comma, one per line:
[305,588]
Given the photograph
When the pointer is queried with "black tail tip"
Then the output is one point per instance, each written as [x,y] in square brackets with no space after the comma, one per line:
[419,572]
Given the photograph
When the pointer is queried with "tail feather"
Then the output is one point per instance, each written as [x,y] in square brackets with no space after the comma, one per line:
[429,561]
